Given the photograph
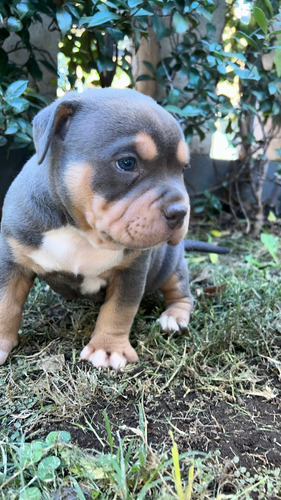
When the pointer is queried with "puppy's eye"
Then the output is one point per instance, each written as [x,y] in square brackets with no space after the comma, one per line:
[126,164]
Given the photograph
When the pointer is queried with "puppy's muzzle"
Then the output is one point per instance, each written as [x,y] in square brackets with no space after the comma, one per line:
[175,214]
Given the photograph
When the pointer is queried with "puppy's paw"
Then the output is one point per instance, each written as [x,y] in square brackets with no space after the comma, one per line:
[5,349]
[3,356]
[104,356]
[171,322]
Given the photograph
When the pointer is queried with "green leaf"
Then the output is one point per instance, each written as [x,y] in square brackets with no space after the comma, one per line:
[221,69]
[47,466]
[180,23]
[159,27]
[31,452]
[64,20]
[277,32]
[72,9]
[269,6]
[134,3]
[30,494]
[149,66]
[18,103]
[22,9]
[271,88]
[142,12]
[55,436]
[193,78]
[271,217]
[174,96]
[270,242]
[21,137]
[192,110]
[142,78]
[245,74]
[100,18]
[12,128]
[173,109]
[277,59]
[213,258]
[248,39]
[16,89]
[205,12]
[260,19]
[14,24]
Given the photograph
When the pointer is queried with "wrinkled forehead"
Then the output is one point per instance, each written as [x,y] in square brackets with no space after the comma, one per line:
[140,125]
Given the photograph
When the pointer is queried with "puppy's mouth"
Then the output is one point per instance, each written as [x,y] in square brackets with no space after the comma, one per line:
[142,223]
[143,240]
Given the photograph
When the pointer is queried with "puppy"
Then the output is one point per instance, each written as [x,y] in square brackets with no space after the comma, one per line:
[102,206]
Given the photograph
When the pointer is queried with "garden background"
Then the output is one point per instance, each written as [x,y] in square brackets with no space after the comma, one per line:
[199,417]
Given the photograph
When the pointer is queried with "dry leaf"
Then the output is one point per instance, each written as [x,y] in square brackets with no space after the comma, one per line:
[213,291]
[53,364]
[203,275]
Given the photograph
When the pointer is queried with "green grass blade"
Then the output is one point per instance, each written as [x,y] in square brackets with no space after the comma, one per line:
[108,430]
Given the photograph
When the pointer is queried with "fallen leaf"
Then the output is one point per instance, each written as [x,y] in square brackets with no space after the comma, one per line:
[213,291]
[53,363]
[203,275]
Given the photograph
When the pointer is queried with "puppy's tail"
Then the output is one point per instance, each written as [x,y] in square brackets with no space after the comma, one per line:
[202,246]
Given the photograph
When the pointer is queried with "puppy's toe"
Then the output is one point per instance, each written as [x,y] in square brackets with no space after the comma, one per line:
[172,323]
[168,323]
[108,357]
[3,356]
[117,361]
[5,348]
[99,359]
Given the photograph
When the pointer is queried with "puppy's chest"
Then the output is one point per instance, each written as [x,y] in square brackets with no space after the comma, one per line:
[67,251]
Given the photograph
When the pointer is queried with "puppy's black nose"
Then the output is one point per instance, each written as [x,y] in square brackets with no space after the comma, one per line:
[175,214]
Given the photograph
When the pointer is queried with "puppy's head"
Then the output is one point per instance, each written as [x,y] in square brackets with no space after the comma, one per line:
[116,162]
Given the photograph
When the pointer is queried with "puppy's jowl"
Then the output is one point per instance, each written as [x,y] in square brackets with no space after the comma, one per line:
[102,205]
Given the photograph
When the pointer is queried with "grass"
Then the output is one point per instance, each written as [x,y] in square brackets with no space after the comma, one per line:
[198,418]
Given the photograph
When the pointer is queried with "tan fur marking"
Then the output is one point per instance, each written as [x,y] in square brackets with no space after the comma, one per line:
[146,147]
[178,305]
[21,257]
[11,306]
[78,179]
[182,152]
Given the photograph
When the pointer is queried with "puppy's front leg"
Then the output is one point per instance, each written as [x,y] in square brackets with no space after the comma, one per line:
[14,288]
[110,345]
[178,299]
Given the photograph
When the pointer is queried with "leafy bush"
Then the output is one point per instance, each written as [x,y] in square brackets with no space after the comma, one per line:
[97,39]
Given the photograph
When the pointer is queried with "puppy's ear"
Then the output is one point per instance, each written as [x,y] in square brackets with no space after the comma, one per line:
[52,120]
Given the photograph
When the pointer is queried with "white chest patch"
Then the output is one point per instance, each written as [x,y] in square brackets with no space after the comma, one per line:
[68,250]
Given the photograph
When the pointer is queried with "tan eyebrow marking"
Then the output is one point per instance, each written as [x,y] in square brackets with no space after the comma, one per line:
[146,147]
[182,152]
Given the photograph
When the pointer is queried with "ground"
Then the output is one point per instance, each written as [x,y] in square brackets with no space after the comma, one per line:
[199,417]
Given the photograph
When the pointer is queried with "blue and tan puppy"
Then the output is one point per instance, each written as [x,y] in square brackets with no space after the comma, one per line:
[101,206]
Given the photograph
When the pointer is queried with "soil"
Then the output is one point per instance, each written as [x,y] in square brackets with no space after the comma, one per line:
[249,428]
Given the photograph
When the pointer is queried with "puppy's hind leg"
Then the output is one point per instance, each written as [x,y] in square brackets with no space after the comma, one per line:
[178,300]
[14,288]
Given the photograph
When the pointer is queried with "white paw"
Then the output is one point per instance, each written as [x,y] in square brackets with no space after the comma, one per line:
[100,358]
[170,324]
[3,356]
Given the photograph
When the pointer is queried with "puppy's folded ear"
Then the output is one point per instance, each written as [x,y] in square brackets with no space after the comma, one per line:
[52,120]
